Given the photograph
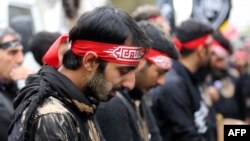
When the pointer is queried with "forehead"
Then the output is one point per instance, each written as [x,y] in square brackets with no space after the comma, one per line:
[116,65]
[8,38]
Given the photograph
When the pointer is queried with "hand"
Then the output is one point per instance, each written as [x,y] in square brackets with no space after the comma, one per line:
[20,73]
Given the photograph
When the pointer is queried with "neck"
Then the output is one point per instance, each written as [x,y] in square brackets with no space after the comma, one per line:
[189,63]
[73,75]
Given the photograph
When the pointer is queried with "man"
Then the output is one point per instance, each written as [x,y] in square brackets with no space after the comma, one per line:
[11,56]
[106,45]
[39,44]
[229,103]
[178,105]
[126,117]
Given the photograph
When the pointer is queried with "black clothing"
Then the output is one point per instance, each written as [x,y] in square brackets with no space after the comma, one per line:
[50,107]
[231,103]
[127,118]
[243,92]
[7,94]
[179,109]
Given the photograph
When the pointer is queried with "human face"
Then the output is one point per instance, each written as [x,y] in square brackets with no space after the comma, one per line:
[219,63]
[103,85]
[206,55]
[149,76]
[10,58]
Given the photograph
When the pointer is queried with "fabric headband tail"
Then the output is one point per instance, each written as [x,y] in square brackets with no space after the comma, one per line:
[193,44]
[51,57]
[160,59]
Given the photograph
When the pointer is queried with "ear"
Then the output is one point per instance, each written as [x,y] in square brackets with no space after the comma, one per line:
[141,65]
[90,61]
[201,52]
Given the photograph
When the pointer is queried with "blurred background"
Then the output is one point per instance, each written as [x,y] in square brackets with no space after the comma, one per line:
[29,17]
[59,15]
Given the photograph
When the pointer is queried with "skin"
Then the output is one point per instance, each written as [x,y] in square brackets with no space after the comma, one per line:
[200,58]
[149,76]
[98,84]
[218,62]
[10,58]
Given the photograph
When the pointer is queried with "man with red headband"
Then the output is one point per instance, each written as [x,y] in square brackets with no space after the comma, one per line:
[126,117]
[105,48]
[228,101]
[178,106]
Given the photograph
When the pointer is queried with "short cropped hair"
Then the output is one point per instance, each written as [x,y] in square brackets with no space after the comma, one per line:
[158,39]
[189,30]
[220,38]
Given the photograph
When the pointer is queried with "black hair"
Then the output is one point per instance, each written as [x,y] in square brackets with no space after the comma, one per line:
[223,41]
[40,43]
[145,12]
[189,30]
[158,39]
[104,24]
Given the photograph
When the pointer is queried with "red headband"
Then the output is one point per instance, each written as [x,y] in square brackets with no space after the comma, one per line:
[219,50]
[193,44]
[159,59]
[121,54]
[51,56]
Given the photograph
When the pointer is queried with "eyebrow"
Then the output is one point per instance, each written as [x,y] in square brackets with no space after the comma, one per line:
[130,68]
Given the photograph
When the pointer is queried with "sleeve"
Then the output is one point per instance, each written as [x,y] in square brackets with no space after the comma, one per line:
[6,112]
[5,120]
[175,105]
[55,127]
[114,121]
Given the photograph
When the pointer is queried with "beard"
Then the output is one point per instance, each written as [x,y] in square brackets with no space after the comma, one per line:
[219,73]
[203,72]
[98,87]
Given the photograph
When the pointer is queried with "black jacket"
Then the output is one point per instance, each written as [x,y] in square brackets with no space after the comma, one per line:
[7,93]
[119,119]
[179,109]
[51,108]
[231,103]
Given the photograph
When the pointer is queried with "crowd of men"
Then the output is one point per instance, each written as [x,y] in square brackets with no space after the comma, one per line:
[116,77]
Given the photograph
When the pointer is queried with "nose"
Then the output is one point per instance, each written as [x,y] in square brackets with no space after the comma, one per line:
[19,57]
[161,79]
[129,80]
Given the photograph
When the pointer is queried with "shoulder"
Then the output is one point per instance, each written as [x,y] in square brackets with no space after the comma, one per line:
[53,121]
[52,106]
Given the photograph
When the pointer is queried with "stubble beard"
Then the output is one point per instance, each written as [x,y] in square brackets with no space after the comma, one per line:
[97,86]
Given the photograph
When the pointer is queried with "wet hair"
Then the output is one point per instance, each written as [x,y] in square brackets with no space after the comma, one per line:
[223,41]
[40,43]
[158,39]
[189,30]
[145,12]
[8,31]
[107,25]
